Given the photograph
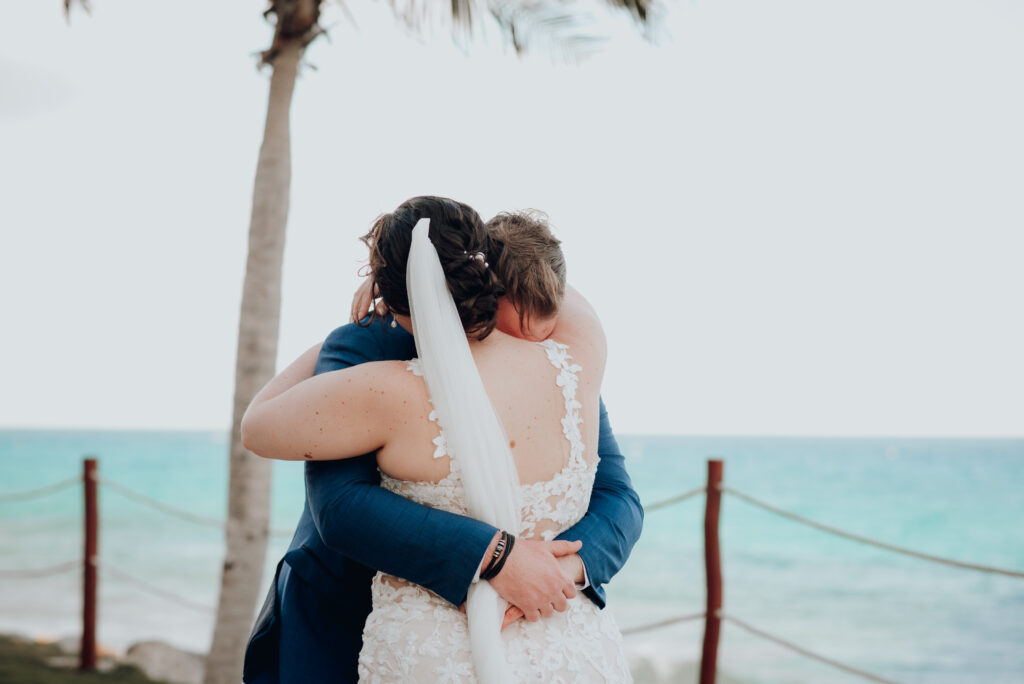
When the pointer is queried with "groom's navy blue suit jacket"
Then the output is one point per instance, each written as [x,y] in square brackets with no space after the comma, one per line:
[310,627]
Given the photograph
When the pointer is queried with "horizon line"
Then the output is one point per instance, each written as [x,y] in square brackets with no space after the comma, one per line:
[716,435]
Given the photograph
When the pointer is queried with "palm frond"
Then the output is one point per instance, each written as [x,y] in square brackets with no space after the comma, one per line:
[559,27]
[458,16]
[566,28]
[462,13]
[67,8]
[547,27]
[343,5]
[640,9]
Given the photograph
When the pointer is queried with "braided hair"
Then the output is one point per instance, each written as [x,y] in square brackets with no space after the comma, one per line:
[463,247]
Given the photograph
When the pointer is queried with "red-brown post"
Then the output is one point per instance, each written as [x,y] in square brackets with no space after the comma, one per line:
[713,570]
[87,654]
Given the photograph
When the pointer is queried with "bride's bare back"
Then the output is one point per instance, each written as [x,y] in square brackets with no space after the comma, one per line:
[523,388]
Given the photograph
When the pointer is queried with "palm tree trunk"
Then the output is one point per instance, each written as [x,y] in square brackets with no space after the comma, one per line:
[250,476]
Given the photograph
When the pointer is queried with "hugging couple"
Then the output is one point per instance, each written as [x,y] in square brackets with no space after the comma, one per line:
[465,496]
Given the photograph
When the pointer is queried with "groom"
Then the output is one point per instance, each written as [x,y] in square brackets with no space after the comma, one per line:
[310,627]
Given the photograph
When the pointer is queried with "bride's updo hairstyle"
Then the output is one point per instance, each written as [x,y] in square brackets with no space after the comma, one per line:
[460,238]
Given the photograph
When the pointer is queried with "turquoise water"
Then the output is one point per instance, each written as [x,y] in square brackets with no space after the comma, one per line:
[902,618]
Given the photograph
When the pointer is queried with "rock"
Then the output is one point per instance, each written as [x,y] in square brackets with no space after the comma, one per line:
[644,671]
[106,659]
[166,663]
[70,645]
[648,670]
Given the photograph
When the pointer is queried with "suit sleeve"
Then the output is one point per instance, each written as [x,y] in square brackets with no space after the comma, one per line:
[613,520]
[356,517]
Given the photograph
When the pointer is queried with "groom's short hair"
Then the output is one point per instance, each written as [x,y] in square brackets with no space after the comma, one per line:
[528,260]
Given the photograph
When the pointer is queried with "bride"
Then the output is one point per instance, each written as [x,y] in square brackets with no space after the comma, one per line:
[481,424]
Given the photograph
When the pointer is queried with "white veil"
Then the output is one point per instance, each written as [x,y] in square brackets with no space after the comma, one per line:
[474,435]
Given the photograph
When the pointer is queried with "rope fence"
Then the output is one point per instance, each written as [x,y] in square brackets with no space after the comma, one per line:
[803,651]
[663,623]
[90,565]
[153,589]
[866,540]
[42,491]
[173,511]
[106,569]
[675,499]
[32,573]
[131,494]
[714,576]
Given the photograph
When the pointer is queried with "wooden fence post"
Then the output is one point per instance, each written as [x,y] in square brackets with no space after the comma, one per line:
[713,571]
[87,653]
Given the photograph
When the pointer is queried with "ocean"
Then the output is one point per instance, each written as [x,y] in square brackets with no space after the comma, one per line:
[903,618]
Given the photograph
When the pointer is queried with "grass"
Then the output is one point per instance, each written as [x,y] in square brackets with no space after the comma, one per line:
[24,662]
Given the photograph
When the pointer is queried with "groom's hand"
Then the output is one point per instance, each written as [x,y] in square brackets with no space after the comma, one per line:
[572,568]
[533,579]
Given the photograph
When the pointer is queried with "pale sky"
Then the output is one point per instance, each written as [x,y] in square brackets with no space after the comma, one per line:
[793,217]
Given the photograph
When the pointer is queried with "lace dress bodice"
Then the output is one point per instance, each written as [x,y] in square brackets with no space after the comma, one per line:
[413,635]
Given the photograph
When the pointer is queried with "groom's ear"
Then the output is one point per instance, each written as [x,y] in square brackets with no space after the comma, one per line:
[539,329]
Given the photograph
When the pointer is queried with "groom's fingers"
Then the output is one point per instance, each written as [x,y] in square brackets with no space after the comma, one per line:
[562,547]
[532,578]
[560,604]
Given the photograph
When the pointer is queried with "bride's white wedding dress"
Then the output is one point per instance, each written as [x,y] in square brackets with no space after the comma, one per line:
[413,635]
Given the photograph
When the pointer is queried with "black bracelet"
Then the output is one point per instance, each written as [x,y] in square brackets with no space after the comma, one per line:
[494,568]
[499,548]
[504,557]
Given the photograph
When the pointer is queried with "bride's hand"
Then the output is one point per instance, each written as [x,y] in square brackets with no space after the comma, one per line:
[362,300]
[512,613]
[572,567]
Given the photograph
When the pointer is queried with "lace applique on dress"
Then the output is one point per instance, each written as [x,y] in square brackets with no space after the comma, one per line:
[445,494]
[553,506]
[440,442]
[413,635]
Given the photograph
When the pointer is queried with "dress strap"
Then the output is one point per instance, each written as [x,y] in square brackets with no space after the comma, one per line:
[567,379]
[415,366]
